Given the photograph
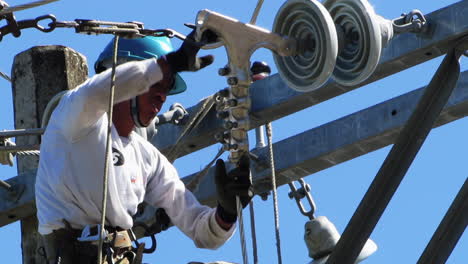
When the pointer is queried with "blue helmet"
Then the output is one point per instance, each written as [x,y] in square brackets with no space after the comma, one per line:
[140,49]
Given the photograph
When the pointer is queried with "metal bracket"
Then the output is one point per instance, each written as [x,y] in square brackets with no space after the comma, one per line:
[240,41]
[414,22]
[299,194]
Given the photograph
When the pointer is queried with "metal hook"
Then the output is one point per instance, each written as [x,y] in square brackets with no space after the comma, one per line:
[153,238]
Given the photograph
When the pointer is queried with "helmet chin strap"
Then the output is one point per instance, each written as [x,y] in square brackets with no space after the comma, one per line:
[135,113]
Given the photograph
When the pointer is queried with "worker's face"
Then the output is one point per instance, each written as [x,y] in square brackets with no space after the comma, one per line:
[151,102]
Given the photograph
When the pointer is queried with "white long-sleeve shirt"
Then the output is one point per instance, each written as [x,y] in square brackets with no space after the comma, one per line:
[70,176]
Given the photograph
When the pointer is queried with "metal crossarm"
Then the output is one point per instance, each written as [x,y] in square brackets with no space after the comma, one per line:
[449,231]
[272,99]
[398,161]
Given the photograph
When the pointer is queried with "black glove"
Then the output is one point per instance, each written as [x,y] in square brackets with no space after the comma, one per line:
[229,185]
[185,58]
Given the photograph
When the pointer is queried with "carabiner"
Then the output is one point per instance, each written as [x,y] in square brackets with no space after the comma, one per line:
[153,238]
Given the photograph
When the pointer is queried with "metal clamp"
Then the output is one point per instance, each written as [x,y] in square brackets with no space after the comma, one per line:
[14,27]
[299,194]
[414,22]
[124,29]
[176,115]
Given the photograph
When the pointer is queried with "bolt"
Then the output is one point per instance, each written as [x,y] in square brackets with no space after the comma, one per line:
[232,103]
[222,115]
[264,196]
[224,92]
[224,71]
[232,80]
[230,125]
[222,136]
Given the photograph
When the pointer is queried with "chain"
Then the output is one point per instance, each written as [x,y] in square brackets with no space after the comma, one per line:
[275,194]
[86,26]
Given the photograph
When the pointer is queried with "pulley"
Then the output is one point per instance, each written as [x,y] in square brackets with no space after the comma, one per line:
[310,24]
[362,34]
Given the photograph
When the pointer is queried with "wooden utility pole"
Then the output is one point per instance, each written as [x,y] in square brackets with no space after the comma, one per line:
[37,75]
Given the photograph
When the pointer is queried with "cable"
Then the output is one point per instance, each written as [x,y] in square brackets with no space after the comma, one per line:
[12,9]
[108,143]
[195,182]
[275,194]
[5,76]
[254,233]
[194,121]
[241,230]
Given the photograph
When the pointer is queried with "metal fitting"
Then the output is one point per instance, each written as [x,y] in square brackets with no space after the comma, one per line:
[222,137]
[232,102]
[232,81]
[222,115]
[224,71]
[224,92]
[230,125]
[229,147]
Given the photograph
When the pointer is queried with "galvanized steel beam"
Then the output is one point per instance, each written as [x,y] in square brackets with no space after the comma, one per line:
[308,152]
[396,164]
[449,231]
[272,99]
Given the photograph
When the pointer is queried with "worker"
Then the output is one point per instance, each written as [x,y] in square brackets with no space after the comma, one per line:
[69,182]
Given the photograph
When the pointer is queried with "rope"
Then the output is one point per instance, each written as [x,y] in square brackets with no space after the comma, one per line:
[275,194]
[5,76]
[195,182]
[254,233]
[241,230]
[108,143]
[12,9]
[7,151]
[194,121]
[29,153]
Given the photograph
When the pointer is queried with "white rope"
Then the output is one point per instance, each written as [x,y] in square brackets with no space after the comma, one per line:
[241,230]
[108,145]
[275,194]
[254,233]
[29,153]
[8,9]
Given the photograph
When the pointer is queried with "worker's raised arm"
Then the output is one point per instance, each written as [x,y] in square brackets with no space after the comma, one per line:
[82,107]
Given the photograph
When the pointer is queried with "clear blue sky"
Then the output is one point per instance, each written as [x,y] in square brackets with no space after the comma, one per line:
[412,216]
